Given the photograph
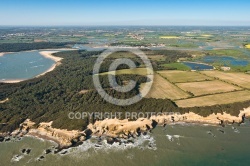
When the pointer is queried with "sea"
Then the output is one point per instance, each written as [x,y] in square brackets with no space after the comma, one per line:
[172,145]
[23,65]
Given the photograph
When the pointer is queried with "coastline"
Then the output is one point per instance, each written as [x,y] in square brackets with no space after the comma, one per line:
[3,101]
[10,81]
[115,129]
[3,53]
[48,54]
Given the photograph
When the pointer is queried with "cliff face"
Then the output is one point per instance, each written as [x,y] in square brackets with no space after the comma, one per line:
[125,128]
[116,128]
[195,118]
[121,128]
[63,137]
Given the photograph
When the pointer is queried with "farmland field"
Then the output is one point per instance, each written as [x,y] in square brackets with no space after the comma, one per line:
[224,98]
[156,57]
[240,79]
[138,71]
[169,37]
[207,87]
[162,89]
[183,76]
[176,66]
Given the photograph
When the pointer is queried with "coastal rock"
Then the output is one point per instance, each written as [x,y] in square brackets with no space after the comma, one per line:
[40,158]
[7,139]
[47,151]
[26,151]
[45,130]
[115,129]
[218,119]
[121,128]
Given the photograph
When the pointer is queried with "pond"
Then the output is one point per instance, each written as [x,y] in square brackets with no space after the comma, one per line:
[198,66]
[225,60]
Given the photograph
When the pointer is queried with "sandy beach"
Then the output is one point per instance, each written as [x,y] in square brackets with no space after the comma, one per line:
[11,81]
[48,54]
[3,53]
[3,101]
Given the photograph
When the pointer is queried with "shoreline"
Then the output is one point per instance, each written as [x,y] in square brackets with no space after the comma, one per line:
[48,54]
[11,81]
[45,54]
[3,53]
[120,129]
[3,101]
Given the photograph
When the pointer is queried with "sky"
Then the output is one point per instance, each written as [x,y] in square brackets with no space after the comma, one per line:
[124,12]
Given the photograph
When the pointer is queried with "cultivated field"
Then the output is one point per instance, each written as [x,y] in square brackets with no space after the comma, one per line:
[138,71]
[207,87]
[183,76]
[162,89]
[156,57]
[169,37]
[240,79]
[122,54]
[206,35]
[224,98]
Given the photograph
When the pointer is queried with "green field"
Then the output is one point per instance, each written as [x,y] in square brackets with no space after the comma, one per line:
[138,71]
[183,76]
[163,89]
[207,87]
[227,52]
[209,100]
[176,66]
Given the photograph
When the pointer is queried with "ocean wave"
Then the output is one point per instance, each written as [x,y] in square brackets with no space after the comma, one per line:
[172,137]
[142,142]
[17,158]
[235,130]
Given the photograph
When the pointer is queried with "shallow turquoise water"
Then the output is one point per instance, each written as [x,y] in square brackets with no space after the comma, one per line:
[178,145]
[23,65]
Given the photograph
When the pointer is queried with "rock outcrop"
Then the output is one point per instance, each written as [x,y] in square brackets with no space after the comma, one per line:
[121,128]
[195,118]
[44,130]
[114,129]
